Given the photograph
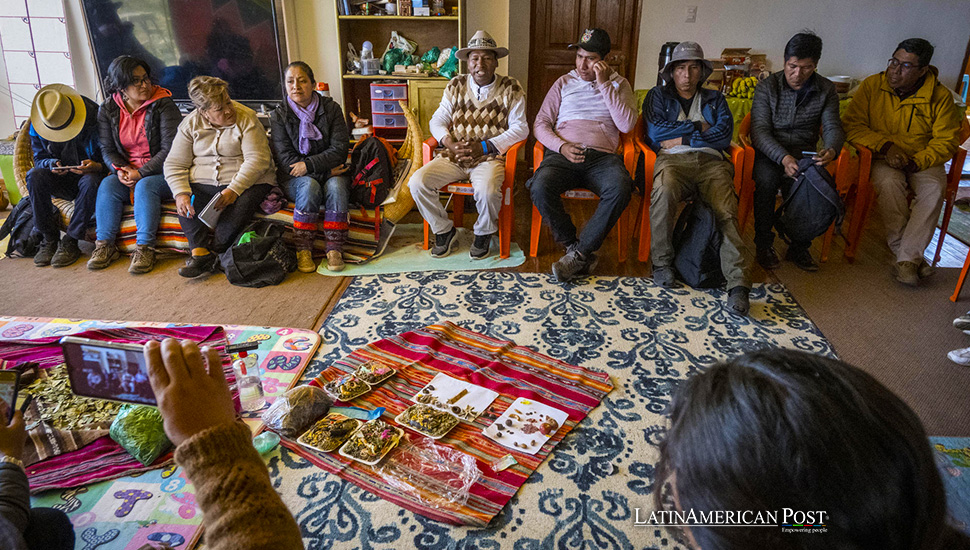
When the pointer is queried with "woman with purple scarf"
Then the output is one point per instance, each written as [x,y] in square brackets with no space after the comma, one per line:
[311,142]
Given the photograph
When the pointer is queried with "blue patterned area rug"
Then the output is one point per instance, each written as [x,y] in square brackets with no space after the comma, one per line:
[597,482]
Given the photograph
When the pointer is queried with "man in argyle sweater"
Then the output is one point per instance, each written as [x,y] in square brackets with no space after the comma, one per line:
[480,117]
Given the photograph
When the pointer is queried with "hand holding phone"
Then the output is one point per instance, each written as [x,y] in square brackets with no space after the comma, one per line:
[9,379]
[66,168]
[12,433]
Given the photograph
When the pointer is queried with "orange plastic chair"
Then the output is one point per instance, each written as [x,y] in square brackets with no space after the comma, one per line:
[622,226]
[649,158]
[866,197]
[461,189]
[840,170]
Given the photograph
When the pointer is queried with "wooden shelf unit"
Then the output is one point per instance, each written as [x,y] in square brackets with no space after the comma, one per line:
[428,32]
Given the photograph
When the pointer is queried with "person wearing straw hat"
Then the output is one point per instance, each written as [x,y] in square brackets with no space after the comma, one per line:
[67,165]
[481,115]
[580,123]
[690,128]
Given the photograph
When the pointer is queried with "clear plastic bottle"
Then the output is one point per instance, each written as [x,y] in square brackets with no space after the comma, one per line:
[368,64]
[249,384]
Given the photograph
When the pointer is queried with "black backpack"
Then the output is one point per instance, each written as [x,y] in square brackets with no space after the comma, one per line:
[812,205]
[372,173]
[262,260]
[697,242]
[24,241]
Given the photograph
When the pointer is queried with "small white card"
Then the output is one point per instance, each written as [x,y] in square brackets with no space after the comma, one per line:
[526,425]
[463,399]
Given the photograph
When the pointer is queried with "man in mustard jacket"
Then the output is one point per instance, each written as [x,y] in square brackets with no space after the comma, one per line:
[910,122]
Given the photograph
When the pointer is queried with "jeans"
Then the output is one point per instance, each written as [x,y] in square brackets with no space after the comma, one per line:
[233,219]
[768,179]
[113,195]
[43,185]
[683,176]
[603,174]
[307,193]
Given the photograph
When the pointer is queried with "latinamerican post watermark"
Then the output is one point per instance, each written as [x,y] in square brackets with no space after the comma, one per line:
[788,520]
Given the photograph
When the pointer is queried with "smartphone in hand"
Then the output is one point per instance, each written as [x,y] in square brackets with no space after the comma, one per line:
[106,370]
[809,154]
[9,380]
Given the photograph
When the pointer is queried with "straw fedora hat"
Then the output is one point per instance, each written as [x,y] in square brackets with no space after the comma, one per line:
[58,113]
[481,41]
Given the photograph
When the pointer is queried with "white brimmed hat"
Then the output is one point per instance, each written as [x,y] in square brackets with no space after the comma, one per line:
[481,41]
[58,113]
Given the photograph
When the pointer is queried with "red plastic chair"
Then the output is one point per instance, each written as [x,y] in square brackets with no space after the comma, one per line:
[867,194]
[462,189]
[649,158]
[622,226]
[840,168]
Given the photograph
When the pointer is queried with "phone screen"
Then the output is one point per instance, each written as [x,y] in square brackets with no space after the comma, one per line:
[108,371]
[8,395]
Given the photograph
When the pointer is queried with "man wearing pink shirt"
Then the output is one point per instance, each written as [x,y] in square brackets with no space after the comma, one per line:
[579,124]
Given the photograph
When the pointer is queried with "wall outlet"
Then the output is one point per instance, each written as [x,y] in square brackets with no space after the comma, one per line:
[691,14]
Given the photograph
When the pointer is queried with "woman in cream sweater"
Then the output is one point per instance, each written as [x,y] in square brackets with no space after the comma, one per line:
[220,154]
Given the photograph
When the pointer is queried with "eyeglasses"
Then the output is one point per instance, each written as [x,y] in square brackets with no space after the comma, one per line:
[139,81]
[893,62]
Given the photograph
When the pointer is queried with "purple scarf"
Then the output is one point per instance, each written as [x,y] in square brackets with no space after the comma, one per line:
[308,131]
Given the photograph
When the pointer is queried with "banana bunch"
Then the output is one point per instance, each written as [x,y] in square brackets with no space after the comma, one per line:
[743,87]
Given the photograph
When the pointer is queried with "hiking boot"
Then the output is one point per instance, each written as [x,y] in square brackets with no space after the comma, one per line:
[664,276]
[444,243]
[104,253]
[925,270]
[335,260]
[960,356]
[67,252]
[479,249]
[907,273]
[768,258]
[304,261]
[143,259]
[802,259]
[45,253]
[738,300]
[962,322]
[571,265]
[198,265]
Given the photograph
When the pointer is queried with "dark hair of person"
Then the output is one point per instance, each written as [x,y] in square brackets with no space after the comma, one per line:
[120,73]
[804,45]
[303,67]
[781,429]
[919,47]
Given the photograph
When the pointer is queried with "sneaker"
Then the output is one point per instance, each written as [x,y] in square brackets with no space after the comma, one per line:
[67,252]
[571,265]
[444,243]
[143,259]
[907,273]
[768,258]
[925,270]
[960,356]
[335,260]
[802,259]
[962,322]
[304,261]
[104,253]
[480,248]
[664,276]
[198,265]
[738,300]
[45,253]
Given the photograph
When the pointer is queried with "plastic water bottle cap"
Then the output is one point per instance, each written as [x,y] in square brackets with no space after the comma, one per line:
[367,45]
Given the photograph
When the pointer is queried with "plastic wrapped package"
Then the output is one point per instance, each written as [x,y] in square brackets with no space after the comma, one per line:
[393,57]
[439,476]
[139,430]
[431,56]
[450,68]
[296,410]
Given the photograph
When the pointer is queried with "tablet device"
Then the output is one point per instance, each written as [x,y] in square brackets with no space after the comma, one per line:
[209,215]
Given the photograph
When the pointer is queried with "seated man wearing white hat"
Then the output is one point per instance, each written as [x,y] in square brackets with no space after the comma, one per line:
[480,117]
[63,133]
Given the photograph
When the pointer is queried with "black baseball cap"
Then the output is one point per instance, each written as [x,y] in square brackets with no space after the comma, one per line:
[594,40]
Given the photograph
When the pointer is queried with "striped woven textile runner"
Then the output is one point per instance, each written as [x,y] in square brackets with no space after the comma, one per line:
[512,371]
